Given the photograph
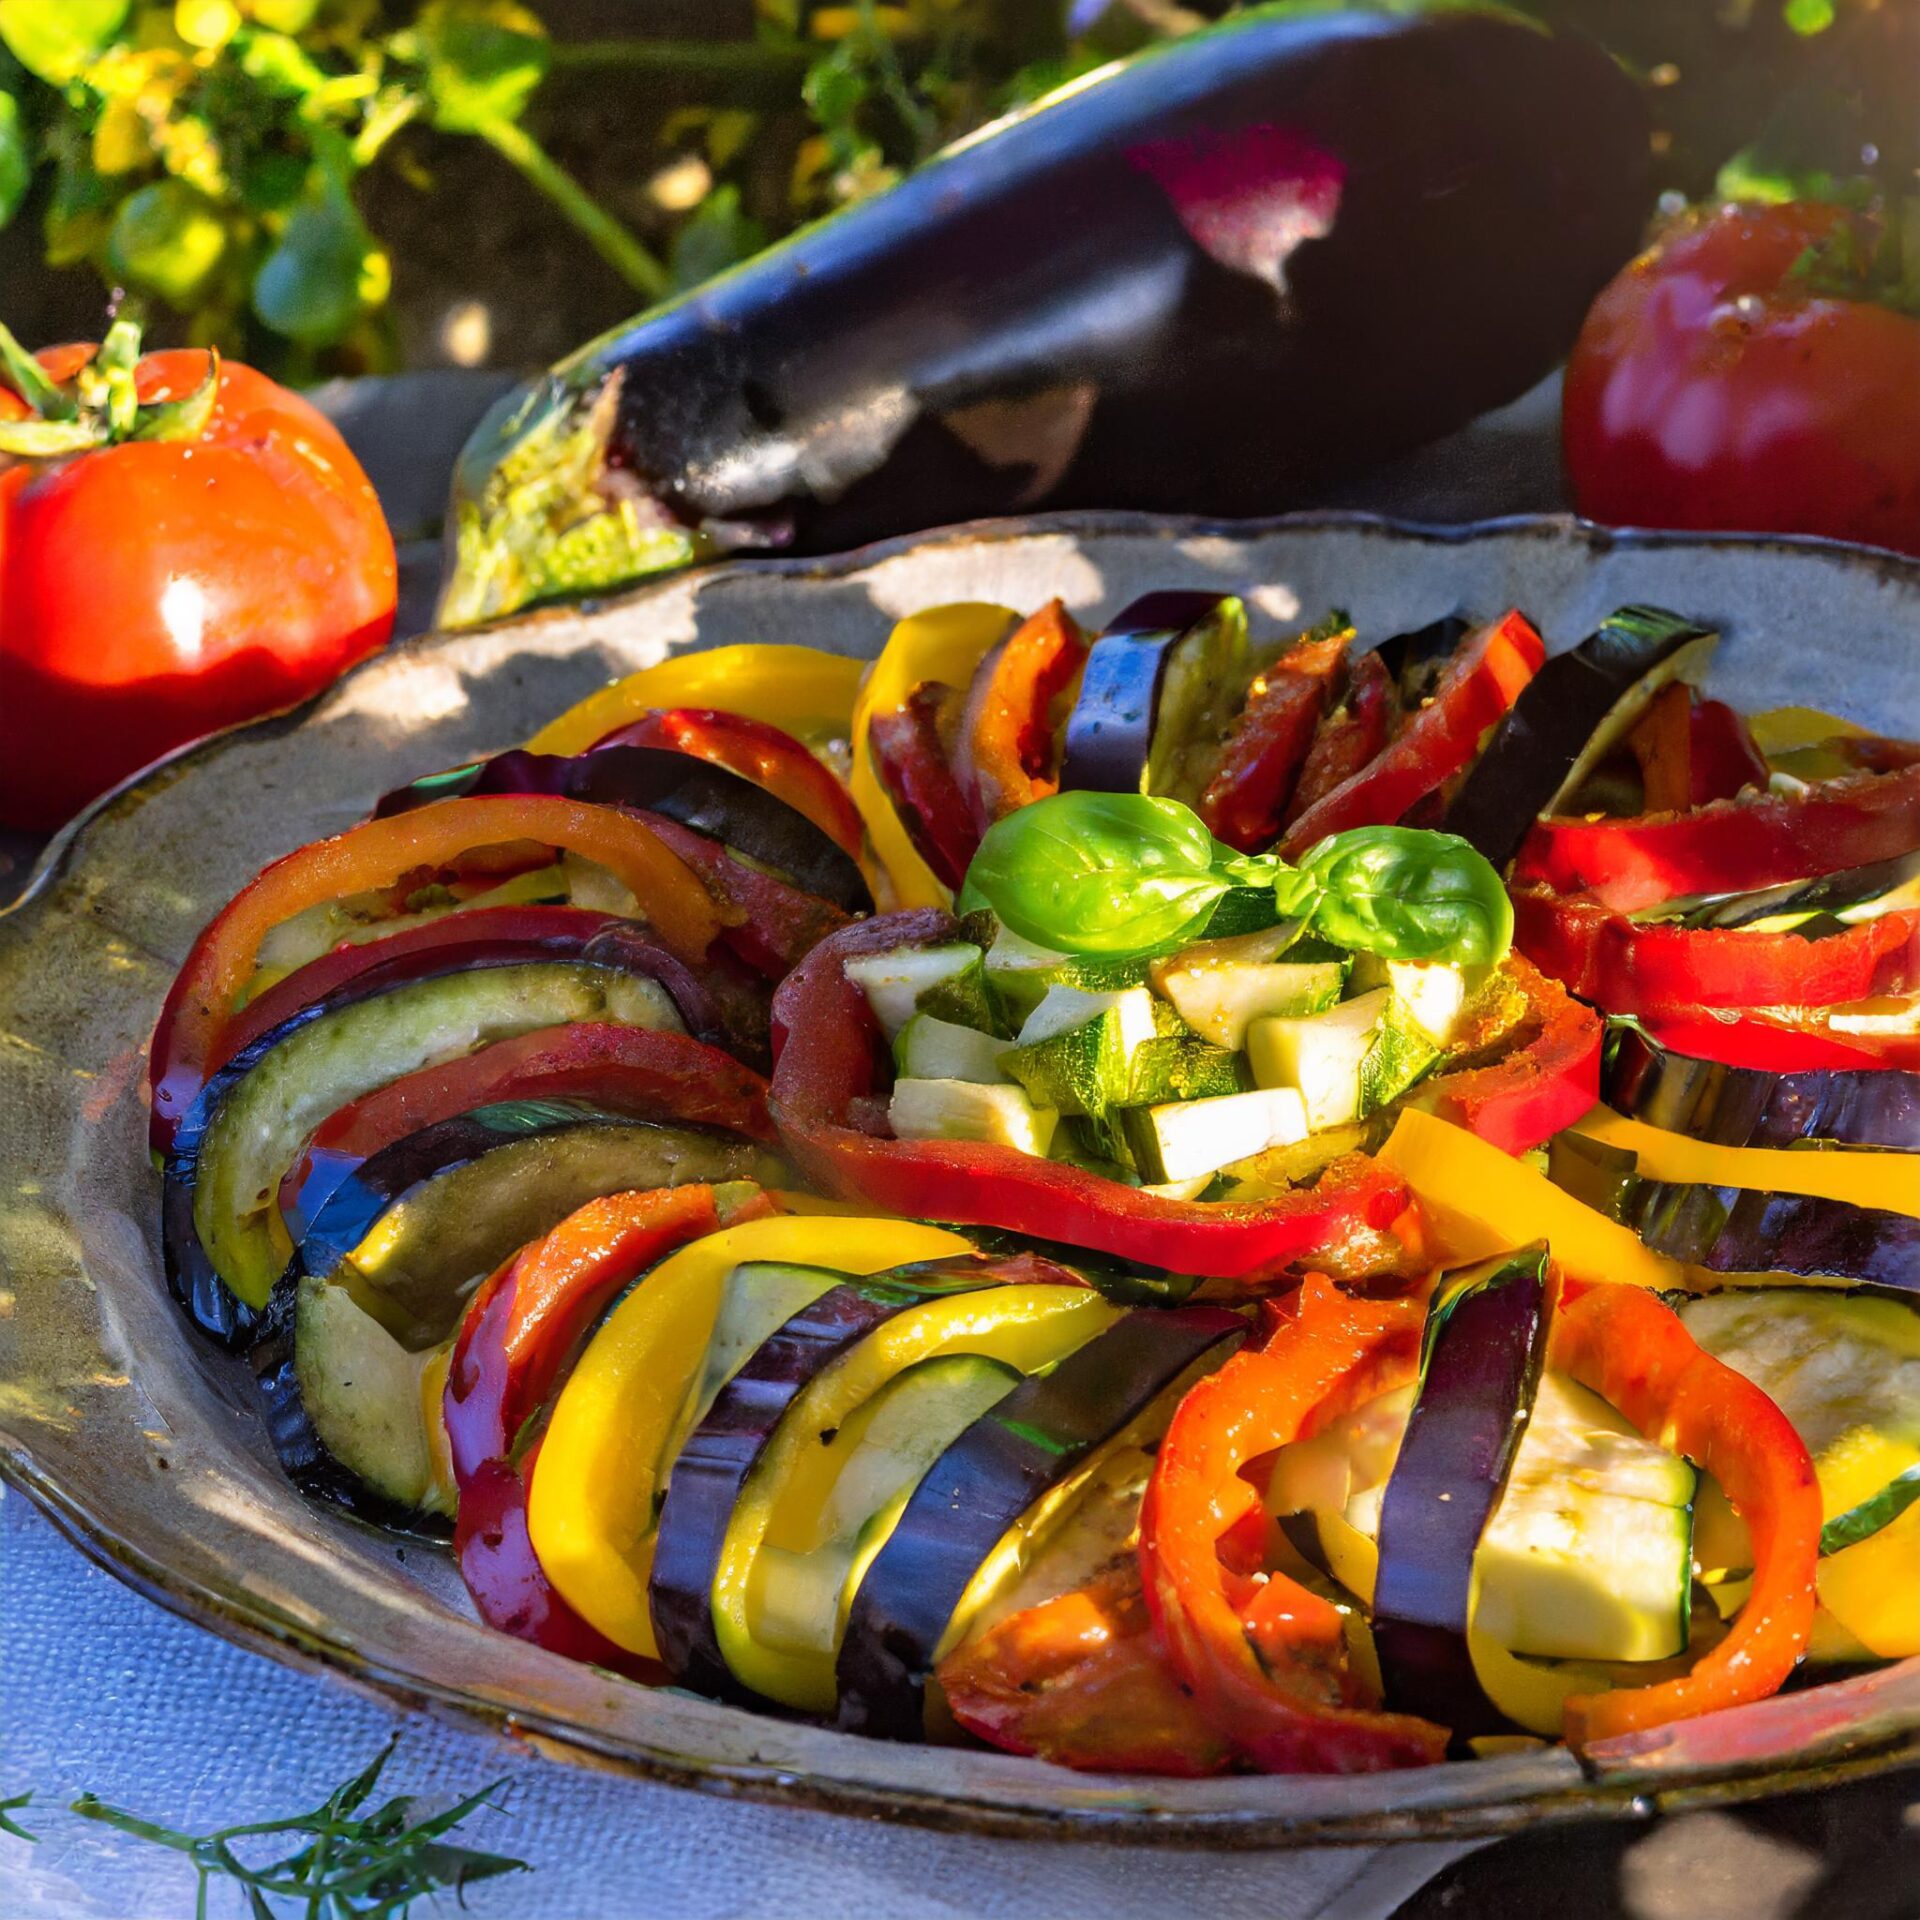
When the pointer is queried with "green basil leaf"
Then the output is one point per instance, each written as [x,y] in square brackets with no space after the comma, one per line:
[1105,873]
[56,39]
[1407,894]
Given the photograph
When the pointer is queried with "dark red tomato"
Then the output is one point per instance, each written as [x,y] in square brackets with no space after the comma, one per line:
[1712,386]
[152,590]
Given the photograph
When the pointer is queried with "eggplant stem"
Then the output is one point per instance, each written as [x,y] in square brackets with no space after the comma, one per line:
[609,239]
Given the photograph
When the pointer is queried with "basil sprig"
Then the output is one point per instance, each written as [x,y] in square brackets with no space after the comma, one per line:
[1131,873]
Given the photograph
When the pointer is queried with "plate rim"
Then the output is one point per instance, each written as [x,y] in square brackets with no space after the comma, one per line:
[1591,1792]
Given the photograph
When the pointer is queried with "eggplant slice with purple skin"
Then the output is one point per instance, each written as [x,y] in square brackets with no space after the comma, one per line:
[1117,712]
[1486,1345]
[1750,1107]
[1735,1230]
[1415,661]
[1210,280]
[439,986]
[714,800]
[1047,1432]
[1577,707]
[384,1272]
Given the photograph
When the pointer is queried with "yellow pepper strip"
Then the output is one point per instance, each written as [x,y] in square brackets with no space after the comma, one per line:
[1862,1176]
[944,644]
[1781,729]
[1480,1202]
[1872,1590]
[801,690]
[592,1511]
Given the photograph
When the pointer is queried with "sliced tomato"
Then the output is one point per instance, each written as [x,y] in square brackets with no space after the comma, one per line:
[1008,750]
[1248,796]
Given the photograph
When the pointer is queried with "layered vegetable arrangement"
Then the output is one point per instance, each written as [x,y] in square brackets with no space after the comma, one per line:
[1174,1203]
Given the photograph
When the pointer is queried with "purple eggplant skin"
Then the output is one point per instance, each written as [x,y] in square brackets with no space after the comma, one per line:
[1487,1345]
[1535,746]
[1110,730]
[1043,1432]
[1748,1107]
[1415,661]
[1213,280]
[680,786]
[722,1451]
[619,945]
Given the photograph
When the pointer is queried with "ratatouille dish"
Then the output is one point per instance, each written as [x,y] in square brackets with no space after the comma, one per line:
[1169,1201]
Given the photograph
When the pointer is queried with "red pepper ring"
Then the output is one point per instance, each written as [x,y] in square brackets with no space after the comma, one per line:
[1289,1704]
[1543,1085]
[1758,839]
[828,1059]
[1624,966]
[375,854]
[1632,1350]
[517,1340]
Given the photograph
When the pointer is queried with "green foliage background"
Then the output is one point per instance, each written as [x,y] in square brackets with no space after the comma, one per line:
[210,157]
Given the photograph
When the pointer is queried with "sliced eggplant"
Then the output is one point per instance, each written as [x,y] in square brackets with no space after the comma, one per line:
[989,1503]
[681,786]
[246,1125]
[1147,677]
[753,1493]
[1747,1107]
[1568,717]
[1742,1230]
[1487,1339]
[1828,904]
[1415,661]
[380,1280]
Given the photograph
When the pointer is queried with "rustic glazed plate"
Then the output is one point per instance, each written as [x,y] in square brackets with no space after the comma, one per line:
[147,1449]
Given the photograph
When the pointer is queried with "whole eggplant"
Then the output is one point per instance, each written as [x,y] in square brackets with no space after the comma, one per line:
[1212,279]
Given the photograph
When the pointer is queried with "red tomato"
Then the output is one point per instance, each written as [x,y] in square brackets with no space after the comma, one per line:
[1711,388]
[153,591]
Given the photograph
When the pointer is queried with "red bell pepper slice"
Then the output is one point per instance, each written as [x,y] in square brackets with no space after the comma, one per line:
[375,854]
[1246,800]
[630,1070]
[1543,1084]
[1626,1346]
[770,923]
[830,1062]
[517,1340]
[1758,839]
[1723,759]
[757,752]
[910,756]
[1348,737]
[1008,751]
[1627,967]
[1081,1681]
[1264,1658]
[1484,678]
[1776,1042]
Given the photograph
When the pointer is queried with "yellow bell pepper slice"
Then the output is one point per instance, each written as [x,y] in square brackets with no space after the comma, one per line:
[1862,1176]
[1479,1202]
[592,1511]
[1873,1590]
[801,690]
[944,644]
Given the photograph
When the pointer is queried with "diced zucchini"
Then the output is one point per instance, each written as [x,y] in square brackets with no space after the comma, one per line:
[927,1048]
[950,978]
[1187,1138]
[1077,1048]
[1434,995]
[966,1110]
[1185,1067]
[1845,1370]
[1220,986]
[1020,973]
[1321,1055]
[1402,1052]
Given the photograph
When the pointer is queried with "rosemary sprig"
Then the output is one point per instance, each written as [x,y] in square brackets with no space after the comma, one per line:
[353,1867]
[9,1825]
